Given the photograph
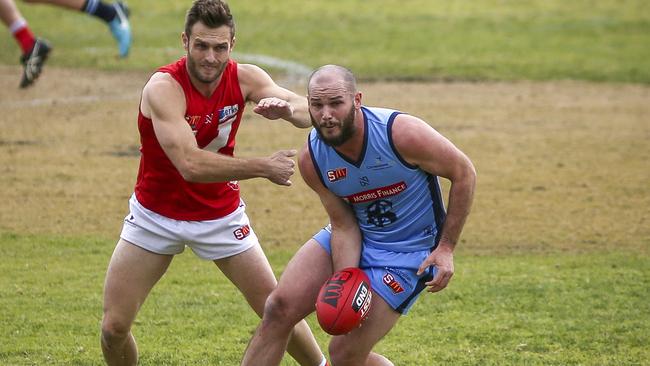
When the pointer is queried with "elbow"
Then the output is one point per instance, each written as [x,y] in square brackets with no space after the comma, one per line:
[189,170]
[188,175]
[466,177]
[471,174]
[302,124]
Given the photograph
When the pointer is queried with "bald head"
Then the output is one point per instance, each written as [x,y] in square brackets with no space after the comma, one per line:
[332,76]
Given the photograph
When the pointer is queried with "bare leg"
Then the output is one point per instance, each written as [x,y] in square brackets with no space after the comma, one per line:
[355,347]
[131,274]
[68,4]
[9,13]
[251,273]
[293,300]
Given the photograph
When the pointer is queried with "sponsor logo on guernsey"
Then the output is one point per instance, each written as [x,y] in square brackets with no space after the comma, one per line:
[334,175]
[228,112]
[364,181]
[392,283]
[193,121]
[242,232]
[233,184]
[377,193]
[379,163]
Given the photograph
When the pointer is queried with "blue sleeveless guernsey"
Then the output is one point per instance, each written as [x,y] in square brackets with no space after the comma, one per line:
[398,206]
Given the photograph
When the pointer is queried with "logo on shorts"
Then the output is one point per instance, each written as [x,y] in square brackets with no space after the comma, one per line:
[242,232]
[392,283]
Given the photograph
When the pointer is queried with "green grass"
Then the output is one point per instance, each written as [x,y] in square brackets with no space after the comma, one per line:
[556,309]
[466,40]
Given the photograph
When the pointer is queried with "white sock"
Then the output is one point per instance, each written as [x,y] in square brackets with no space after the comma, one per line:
[324,362]
[17,25]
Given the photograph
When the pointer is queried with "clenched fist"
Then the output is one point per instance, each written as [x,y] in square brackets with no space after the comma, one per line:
[281,167]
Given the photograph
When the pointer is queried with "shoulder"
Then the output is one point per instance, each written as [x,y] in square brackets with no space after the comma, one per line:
[161,89]
[411,136]
[251,74]
[252,78]
[307,168]
[161,80]
[407,129]
[304,157]
[250,71]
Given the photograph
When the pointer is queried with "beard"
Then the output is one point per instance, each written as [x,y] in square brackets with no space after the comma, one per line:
[347,130]
[194,70]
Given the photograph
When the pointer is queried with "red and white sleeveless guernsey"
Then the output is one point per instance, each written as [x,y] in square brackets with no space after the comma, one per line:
[214,121]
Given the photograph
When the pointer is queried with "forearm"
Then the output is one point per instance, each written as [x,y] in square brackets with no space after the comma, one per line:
[207,167]
[346,247]
[461,195]
[300,116]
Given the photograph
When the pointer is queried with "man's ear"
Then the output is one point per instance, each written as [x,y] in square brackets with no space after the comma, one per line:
[232,43]
[186,41]
[357,100]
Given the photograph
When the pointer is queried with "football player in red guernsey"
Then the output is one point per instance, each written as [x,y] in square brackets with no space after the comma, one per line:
[187,192]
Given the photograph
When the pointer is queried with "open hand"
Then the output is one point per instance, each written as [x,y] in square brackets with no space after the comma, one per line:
[274,108]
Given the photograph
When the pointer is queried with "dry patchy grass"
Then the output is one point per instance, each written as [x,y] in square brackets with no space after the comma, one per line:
[561,166]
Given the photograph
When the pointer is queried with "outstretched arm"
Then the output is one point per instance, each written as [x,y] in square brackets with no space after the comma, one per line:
[273,101]
[346,236]
[421,145]
[164,102]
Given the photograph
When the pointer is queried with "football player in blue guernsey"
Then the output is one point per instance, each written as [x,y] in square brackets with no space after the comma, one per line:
[376,173]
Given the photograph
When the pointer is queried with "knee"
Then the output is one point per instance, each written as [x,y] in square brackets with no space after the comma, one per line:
[343,353]
[114,331]
[280,309]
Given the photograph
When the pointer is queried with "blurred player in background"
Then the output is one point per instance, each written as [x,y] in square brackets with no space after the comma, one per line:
[376,172]
[35,50]
[187,190]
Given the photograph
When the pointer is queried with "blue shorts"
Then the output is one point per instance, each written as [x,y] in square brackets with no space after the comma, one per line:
[392,274]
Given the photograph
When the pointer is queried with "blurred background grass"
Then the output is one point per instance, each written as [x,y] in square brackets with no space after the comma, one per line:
[380,40]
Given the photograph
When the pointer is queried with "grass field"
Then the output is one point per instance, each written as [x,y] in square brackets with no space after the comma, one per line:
[379,40]
[553,267]
[556,309]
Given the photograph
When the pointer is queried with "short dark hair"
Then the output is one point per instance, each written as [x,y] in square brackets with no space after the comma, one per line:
[212,13]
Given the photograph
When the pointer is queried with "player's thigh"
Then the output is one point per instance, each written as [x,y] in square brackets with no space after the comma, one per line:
[131,274]
[305,273]
[251,272]
[381,319]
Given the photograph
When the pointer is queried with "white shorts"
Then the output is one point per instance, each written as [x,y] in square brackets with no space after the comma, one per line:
[210,239]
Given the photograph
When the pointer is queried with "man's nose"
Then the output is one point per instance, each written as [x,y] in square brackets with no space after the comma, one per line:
[211,56]
[327,113]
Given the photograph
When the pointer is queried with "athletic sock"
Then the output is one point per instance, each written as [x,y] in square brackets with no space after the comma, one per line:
[24,36]
[100,9]
[324,362]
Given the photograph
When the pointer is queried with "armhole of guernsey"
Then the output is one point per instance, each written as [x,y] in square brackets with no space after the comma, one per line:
[389,133]
[312,155]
